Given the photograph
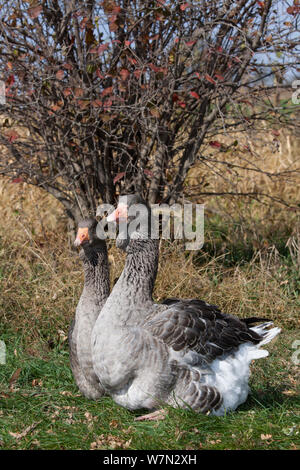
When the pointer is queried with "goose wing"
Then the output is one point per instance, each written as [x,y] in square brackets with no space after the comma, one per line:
[192,324]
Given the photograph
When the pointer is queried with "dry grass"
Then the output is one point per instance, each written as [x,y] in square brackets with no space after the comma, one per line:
[42,277]
[257,289]
[248,266]
[275,163]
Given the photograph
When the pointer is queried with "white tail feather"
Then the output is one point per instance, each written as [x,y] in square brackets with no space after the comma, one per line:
[267,335]
[231,374]
[255,353]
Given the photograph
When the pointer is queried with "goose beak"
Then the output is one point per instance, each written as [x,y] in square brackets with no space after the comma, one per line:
[121,212]
[82,236]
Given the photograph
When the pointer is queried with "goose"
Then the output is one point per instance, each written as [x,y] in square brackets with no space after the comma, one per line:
[185,353]
[96,289]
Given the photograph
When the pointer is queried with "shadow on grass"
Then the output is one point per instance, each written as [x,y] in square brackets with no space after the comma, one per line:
[233,246]
[270,397]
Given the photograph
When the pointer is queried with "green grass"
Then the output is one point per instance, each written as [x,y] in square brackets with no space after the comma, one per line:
[41,408]
[245,267]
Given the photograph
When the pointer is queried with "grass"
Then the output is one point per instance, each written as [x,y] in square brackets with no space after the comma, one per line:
[42,409]
[249,266]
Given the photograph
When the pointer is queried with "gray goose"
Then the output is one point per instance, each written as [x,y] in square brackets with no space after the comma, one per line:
[186,353]
[96,289]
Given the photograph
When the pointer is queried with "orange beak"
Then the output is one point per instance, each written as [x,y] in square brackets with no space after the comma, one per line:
[82,236]
[119,213]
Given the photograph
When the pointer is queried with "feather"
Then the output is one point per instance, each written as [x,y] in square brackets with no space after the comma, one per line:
[184,352]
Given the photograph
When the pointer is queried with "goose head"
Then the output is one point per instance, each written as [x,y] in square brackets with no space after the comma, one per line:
[86,233]
[133,217]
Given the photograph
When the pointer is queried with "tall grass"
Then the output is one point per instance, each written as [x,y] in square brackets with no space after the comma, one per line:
[248,266]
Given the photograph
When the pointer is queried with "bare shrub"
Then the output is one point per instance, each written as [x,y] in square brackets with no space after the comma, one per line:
[109,96]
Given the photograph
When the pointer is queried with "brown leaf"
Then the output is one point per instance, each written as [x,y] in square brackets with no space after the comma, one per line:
[37,383]
[190,43]
[149,173]
[184,6]
[78,92]
[83,104]
[194,94]
[118,177]
[19,435]
[102,48]
[113,26]
[107,91]
[17,180]
[153,67]
[290,392]
[155,112]
[83,22]
[157,415]
[132,61]
[55,107]
[107,104]
[10,81]
[114,424]
[67,91]
[89,37]
[35,11]
[219,77]
[60,74]
[14,377]
[107,117]
[266,437]
[97,103]
[209,79]
[215,143]
[66,393]
[217,441]
[137,73]
[109,441]
[293,10]
[99,74]
[68,66]
[124,74]
[88,416]
[12,135]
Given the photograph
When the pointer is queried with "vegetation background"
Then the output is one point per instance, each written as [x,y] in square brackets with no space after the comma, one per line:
[249,265]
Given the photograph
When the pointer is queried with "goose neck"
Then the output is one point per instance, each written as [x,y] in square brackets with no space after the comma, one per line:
[96,273]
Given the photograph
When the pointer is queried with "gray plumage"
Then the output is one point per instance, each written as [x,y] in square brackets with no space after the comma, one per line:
[95,292]
[183,352]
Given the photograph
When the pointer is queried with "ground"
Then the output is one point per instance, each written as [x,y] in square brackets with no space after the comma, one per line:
[42,409]
[248,266]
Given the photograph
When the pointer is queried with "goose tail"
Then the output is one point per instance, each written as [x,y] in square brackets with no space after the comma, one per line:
[266,333]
